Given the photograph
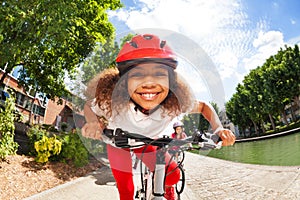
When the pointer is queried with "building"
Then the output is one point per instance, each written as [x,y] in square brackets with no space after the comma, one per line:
[227,123]
[37,109]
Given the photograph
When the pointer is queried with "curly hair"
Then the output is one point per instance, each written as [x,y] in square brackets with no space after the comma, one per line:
[110,91]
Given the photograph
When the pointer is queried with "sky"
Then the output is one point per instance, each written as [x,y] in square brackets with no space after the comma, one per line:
[237,35]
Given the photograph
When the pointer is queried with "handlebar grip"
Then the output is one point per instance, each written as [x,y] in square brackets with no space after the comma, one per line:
[216,138]
[119,139]
[210,141]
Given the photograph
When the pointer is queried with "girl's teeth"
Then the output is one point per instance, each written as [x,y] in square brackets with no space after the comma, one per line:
[148,95]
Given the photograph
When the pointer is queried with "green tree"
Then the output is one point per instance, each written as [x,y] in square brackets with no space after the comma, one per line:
[197,121]
[101,58]
[267,90]
[50,38]
[253,83]
[236,113]
[282,79]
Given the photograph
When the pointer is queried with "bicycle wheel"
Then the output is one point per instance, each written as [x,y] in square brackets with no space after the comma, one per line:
[180,185]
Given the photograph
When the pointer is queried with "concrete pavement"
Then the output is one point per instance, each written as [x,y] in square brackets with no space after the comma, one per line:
[210,178]
[206,178]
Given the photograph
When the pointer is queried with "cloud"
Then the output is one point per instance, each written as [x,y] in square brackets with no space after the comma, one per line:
[217,26]
[266,44]
[293,21]
[293,41]
[222,28]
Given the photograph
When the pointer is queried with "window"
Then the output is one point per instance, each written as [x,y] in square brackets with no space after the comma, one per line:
[38,110]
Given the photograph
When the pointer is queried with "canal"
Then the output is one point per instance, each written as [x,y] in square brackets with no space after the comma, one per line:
[280,151]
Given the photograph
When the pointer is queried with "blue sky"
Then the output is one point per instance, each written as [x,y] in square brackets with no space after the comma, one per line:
[237,35]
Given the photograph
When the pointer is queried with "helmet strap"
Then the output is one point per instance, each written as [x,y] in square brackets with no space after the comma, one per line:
[143,110]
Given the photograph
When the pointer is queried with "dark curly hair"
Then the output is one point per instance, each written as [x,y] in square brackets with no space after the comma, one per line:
[110,91]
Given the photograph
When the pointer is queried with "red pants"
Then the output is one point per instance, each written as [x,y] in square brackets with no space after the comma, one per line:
[121,166]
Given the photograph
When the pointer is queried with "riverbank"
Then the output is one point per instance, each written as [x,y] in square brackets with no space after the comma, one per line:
[269,136]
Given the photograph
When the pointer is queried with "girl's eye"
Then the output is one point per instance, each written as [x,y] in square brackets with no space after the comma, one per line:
[137,74]
[161,74]
[141,73]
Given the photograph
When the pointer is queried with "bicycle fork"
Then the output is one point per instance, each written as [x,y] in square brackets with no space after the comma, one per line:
[159,175]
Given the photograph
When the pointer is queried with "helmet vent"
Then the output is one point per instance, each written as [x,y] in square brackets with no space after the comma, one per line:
[162,44]
[147,37]
[133,44]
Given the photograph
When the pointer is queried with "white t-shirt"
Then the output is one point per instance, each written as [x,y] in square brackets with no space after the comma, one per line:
[134,121]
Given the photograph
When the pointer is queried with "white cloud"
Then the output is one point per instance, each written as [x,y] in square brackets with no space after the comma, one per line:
[293,21]
[228,63]
[295,40]
[222,28]
[267,44]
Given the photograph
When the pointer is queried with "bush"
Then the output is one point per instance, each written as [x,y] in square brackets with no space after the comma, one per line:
[73,149]
[47,147]
[7,129]
[35,133]
[62,146]
[63,126]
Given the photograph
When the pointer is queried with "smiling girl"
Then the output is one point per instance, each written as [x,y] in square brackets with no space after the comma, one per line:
[143,95]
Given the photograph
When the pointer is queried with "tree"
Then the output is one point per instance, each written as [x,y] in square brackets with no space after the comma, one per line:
[267,90]
[101,58]
[235,112]
[282,80]
[197,121]
[50,38]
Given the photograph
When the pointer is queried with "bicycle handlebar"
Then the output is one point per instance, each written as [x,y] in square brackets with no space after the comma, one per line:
[122,139]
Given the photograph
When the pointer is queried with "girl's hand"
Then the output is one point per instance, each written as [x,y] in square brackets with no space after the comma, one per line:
[92,130]
[227,136]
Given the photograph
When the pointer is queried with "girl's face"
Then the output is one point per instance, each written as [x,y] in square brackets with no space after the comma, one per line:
[178,130]
[148,84]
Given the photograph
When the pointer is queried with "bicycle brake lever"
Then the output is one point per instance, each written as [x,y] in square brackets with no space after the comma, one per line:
[210,141]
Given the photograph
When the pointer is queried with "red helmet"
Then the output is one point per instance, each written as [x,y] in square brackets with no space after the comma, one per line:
[145,48]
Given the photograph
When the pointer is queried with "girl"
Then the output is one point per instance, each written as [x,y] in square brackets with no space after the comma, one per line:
[178,134]
[143,95]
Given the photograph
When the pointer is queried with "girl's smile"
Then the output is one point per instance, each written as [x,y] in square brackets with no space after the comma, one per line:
[149,96]
[148,84]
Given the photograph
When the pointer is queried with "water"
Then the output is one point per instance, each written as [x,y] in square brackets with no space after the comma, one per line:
[281,151]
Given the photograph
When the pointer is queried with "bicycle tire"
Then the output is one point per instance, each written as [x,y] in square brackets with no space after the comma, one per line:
[181,183]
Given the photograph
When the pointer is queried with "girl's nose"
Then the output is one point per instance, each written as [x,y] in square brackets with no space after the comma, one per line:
[149,85]
[148,82]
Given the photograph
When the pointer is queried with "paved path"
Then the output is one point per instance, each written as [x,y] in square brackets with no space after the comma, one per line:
[210,178]
[206,178]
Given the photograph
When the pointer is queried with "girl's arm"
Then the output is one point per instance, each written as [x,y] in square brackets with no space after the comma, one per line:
[210,115]
[93,127]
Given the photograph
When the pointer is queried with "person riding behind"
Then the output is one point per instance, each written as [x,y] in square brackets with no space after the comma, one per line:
[178,134]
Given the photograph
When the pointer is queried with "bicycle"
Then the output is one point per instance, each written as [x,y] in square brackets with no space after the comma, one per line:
[178,155]
[156,190]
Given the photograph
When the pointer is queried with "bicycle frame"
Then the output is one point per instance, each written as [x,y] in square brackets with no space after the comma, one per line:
[156,179]
[122,139]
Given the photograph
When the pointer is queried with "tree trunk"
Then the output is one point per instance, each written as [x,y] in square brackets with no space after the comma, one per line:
[31,106]
[295,105]
[297,101]
[263,127]
[255,127]
[272,122]
[2,79]
[293,112]
[284,117]
[243,130]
